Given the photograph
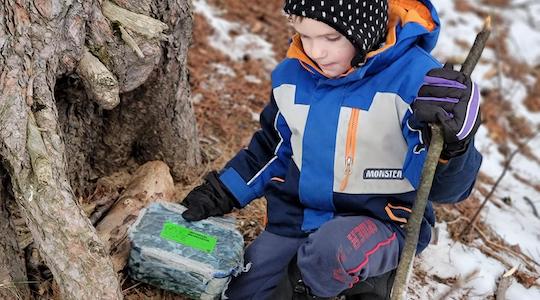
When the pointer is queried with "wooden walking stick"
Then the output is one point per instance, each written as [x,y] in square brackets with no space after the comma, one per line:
[434,151]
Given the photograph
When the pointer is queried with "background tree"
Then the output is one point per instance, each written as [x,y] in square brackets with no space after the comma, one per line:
[87,88]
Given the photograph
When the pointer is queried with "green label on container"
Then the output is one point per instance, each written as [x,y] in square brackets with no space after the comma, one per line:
[185,236]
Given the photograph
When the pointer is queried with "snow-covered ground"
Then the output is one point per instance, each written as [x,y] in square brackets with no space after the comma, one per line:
[516,224]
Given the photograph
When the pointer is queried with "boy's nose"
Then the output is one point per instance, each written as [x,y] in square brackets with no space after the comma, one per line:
[318,52]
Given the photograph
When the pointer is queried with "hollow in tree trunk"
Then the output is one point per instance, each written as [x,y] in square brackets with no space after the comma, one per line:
[87,88]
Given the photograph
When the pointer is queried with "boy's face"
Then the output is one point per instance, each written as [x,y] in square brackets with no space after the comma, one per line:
[328,48]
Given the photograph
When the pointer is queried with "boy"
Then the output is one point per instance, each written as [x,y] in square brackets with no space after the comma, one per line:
[341,149]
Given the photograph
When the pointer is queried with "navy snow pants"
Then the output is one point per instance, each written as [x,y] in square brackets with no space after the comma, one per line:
[344,251]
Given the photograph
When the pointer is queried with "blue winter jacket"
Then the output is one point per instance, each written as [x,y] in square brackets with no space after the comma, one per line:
[343,146]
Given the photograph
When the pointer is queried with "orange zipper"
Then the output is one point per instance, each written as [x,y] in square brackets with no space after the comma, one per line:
[350,147]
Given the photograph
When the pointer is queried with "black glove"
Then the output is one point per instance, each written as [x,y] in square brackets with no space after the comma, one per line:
[451,99]
[208,199]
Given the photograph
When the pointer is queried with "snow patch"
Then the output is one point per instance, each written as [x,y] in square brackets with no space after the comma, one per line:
[234,39]
[252,79]
[224,70]
[451,259]
[197,98]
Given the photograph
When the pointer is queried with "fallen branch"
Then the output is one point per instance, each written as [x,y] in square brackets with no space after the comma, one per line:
[489,244]
[152,181]
[490,252]
[124,292]
[456,220]
[101,85]
[459,284]
[529,201]
[498,203]
[504,284]
[107,192]
[527,260]
[142,24]
[467,228]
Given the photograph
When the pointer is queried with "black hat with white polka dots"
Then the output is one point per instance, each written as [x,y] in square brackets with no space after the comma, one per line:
[362,22]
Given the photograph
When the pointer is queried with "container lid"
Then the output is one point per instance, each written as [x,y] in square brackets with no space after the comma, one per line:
[213,246]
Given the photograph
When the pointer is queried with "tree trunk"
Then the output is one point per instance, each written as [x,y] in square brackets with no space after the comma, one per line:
[154,120]
[55,141]
[12,269]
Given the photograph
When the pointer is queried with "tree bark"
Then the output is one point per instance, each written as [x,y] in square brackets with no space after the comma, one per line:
[55,141]
[154,120]
[12,269]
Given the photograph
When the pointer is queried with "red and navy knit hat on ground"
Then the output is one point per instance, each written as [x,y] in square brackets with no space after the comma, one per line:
[363,22]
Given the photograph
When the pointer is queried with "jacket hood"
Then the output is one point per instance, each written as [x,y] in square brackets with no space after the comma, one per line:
[411,23]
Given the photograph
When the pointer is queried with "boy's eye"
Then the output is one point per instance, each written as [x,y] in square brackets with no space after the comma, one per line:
[333,38]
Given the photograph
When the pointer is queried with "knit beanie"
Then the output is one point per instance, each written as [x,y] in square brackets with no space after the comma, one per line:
[362,22]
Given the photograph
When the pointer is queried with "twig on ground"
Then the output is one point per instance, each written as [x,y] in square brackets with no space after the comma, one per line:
[467,228]
[131,287]
[497,246]
[504,284]
[526,4]
[494,187]
[457,220]
[12,287]
[498,203]
[526,259]
[459,284]
[535,212]
[490,252]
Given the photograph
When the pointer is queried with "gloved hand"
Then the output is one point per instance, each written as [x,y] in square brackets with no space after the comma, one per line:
[451,99]
[208,199]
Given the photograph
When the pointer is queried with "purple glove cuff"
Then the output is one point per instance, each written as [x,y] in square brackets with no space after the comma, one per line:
[449,100]
[473,108]
[441,82]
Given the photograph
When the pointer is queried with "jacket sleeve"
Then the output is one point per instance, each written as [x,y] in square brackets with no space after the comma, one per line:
[246,174]
[454,180]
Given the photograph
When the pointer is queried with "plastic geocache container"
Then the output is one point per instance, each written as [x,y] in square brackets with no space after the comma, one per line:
[196,259]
